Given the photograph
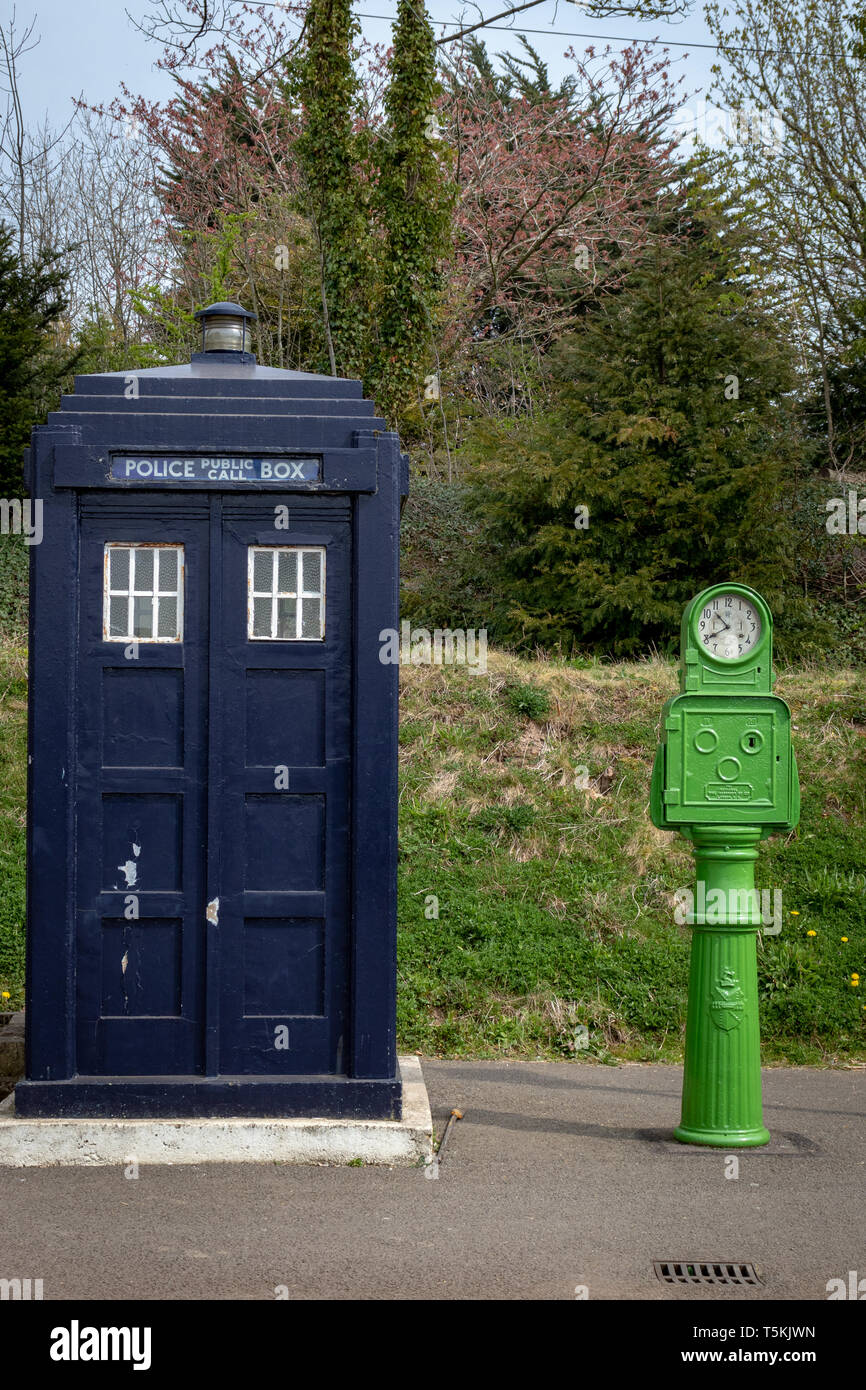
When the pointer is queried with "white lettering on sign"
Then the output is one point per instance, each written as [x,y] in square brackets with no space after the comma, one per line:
[282,470]
[160,468]
[219,469]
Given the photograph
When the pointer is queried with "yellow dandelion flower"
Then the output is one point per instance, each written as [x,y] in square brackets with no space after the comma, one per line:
[811,933]
[843,938]
[793,913]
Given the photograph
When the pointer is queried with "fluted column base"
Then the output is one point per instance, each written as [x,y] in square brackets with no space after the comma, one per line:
[722,1077]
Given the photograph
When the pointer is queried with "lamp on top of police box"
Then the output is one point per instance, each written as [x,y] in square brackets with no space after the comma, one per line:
[224,327]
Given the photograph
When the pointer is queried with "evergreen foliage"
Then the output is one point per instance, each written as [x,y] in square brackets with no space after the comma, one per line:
[329,151]
[673,425]
[31,366]
[379,199]
[414,198]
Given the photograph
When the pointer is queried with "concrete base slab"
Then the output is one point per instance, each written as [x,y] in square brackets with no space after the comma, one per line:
[35,1143]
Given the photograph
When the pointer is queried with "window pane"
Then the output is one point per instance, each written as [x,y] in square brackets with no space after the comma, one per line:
[118,577]
[135,570]
[142,617]
[144,570]
[168,571]
[287,609]
[167,625]
[312,572]
[261,617]
[311,621]
[287,573]
[118,617]
[262,571]
[287,578]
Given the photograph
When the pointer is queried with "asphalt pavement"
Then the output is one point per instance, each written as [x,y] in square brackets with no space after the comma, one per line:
[560,1181]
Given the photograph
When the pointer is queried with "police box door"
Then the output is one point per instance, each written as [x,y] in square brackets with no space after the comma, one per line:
[212,785]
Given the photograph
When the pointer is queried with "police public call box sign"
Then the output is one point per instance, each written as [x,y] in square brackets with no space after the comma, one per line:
[210,469]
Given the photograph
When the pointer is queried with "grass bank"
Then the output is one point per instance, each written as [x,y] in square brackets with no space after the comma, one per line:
[536,898]
[555,933]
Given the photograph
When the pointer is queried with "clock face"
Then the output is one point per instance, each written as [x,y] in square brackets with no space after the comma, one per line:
[729,626]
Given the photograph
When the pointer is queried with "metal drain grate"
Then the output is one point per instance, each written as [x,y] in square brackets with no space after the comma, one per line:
[698,1272]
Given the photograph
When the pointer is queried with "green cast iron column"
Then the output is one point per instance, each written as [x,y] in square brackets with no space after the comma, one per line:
[722,1080]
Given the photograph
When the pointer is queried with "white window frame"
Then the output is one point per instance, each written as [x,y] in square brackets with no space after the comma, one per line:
[274,593]
[130,593]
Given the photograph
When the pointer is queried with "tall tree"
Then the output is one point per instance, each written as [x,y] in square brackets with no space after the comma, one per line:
[555,190]
[794,78]
[666,460]
[414,201]
[32,301]
[329,151]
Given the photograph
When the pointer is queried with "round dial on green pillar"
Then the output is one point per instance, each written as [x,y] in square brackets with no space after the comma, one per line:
[729,626]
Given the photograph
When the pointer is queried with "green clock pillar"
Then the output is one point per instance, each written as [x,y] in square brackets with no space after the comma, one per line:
[725,777]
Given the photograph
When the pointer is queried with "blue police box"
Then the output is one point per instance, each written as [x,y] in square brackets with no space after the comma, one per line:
[213,744]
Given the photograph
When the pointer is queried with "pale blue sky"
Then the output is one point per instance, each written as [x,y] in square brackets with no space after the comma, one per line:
[91,46]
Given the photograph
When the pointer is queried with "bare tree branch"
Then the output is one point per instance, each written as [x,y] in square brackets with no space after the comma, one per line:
[179,24]
[21,151]
[595,9]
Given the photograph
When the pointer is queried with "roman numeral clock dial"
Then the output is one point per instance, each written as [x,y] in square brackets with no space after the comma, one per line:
[729,627]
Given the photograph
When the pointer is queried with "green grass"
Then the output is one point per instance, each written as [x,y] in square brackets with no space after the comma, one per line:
[555,934]
[13,798]
[536,915]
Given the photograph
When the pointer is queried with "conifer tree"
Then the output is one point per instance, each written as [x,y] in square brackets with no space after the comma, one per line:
[32,300]
[414,199]
[667,460]
[329,150]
